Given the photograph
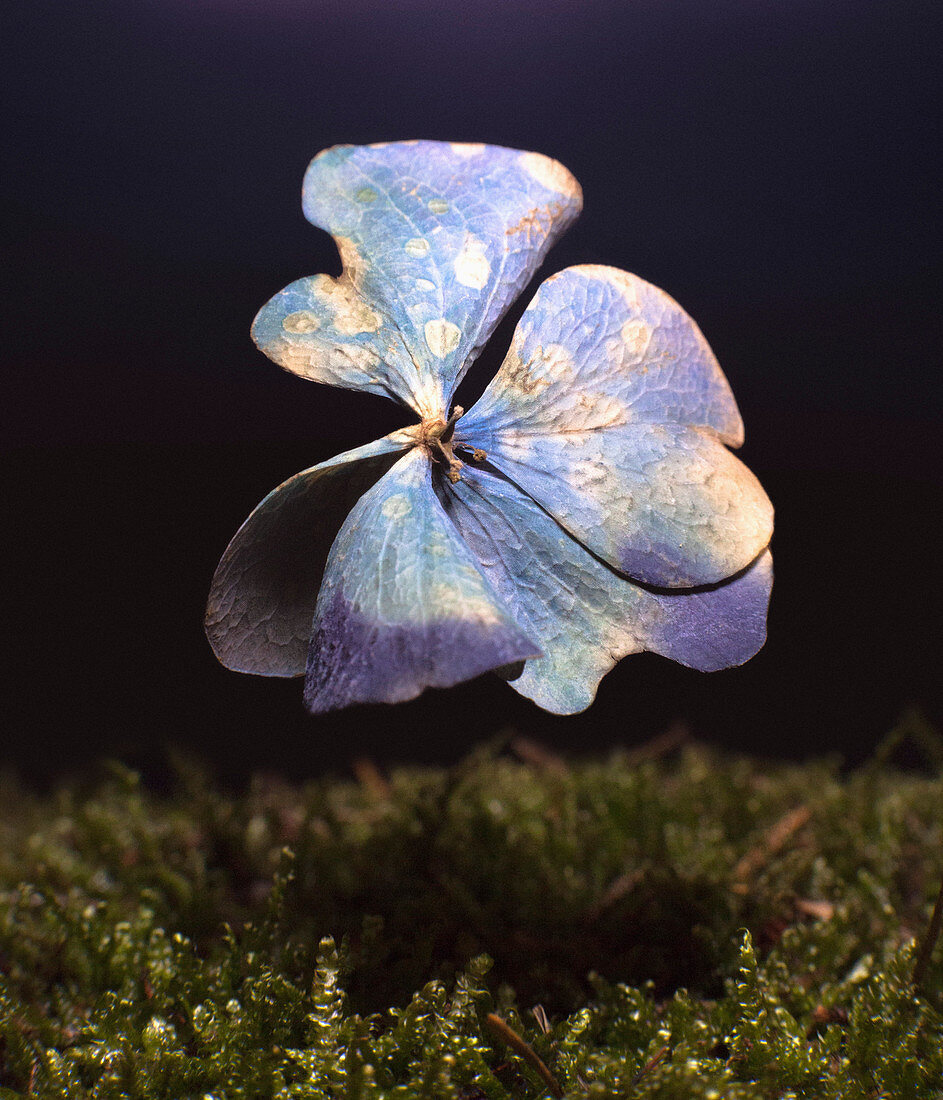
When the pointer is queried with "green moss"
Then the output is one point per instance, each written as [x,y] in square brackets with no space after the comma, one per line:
[692,925]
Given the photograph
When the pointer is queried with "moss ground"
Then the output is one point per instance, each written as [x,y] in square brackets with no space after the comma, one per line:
[669,922]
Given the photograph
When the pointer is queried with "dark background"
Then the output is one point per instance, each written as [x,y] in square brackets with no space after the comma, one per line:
[773,166]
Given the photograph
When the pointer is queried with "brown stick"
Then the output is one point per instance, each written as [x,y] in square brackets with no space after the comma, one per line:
[371,778]
[775,839]
[532,752]
[520,1046]
[649,1065]
[676,735]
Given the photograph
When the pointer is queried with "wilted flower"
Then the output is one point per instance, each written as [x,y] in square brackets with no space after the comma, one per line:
[585,508]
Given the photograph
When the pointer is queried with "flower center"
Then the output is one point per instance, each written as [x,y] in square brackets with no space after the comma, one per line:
[435,434]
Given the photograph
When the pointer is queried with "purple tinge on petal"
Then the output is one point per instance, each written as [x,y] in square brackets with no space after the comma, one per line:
[646,561]
[354,660]
[718,627]
[403,605]
[265,589]
[612,413]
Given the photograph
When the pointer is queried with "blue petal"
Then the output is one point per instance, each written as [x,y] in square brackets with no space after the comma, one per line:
[403,605]
[582,614]
[611,411]
[263,596]
[322,329]
[598,331]
[436,239]
[716,627]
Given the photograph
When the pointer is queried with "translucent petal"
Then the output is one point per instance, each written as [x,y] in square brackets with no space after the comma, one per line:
[403,605]
[611,411]
[582,614]
[263,596]
[437,239]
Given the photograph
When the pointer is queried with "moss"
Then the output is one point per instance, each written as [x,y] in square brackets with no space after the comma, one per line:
[655,924]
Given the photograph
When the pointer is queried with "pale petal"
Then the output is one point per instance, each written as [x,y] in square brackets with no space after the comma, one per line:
[596,342]
[322,329]
[582,614]
[611,411]
[263,596]
[437,240]
[403,604]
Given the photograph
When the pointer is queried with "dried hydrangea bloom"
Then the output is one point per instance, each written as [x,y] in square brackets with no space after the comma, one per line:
[587,507]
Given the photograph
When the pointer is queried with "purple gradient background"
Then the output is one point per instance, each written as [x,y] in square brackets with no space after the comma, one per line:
[775,167]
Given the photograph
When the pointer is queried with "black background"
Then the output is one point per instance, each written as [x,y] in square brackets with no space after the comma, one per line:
[773,166]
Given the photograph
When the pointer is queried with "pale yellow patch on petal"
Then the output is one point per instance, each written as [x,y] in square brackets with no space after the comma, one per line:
[350,314]
[302,321]
[429,400]
[442,337]
[636,335]
[397,506]
[353,263]
[466,149]
[555,363]
[550,173]
[594,411]
[357,317]
[471,264]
